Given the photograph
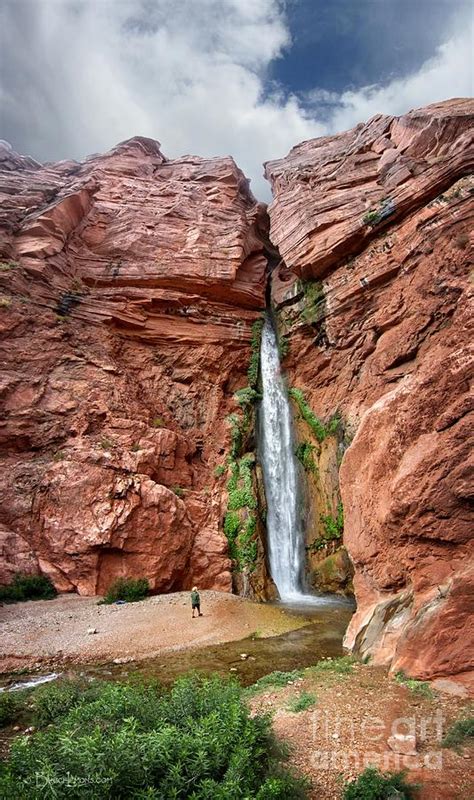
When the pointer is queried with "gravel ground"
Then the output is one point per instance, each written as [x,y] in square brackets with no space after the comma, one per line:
[349,725]
[54,632]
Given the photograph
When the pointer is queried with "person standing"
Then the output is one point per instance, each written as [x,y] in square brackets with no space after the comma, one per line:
[196,601]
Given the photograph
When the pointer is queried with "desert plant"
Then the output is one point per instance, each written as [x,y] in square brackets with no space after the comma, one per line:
[27,587]
[274,679]
[128,589]
[179,491]
[10,705]
[314,301]
[252,372]
[219,471]
[157,422]
[7,266]
[304,453]
[375,785]
[343,665]
[5,302]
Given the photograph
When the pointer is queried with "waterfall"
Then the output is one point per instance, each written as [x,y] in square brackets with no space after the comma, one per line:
[280,473]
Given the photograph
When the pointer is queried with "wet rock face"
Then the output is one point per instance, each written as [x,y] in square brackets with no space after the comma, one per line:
[385,337]
[128,287]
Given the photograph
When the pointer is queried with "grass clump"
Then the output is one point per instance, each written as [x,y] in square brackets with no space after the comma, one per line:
[344,665]
[459,733]
[134,741]
[157,422]
[304,453]
[8,266]
[421,688]
[27,587]
[304,701]
[219,471]
[375,785]
[129,589]
[179,491]
[274,679]
[5,302]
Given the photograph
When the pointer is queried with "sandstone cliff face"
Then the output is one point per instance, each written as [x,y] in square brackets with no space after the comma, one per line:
[381,217]
[129,285]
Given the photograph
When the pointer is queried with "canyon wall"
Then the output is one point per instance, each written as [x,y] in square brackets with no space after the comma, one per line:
[129,284]
[373,294]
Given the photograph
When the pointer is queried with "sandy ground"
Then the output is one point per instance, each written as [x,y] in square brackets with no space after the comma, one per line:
[54,632]
[350,723]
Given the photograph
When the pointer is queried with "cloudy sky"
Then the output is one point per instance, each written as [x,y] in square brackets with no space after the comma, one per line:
[249,78]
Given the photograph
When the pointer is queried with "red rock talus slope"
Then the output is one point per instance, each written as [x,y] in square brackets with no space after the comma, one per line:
[128,287]
[382,216]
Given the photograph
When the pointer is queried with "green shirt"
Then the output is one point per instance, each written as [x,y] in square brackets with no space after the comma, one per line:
[195,599]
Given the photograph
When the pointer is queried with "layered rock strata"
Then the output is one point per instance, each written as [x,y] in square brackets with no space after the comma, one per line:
[129,284]
[374,228]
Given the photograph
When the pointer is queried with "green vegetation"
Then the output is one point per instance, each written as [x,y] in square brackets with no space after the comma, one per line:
[7,266]
[129,589]
[219,471]
[459,732]
[157,422]
[247,396]
[135,448]
[421,688]
[178,490]
[304,701]
[197,741]
[27,587]
[252,372]
[240,528]
[304,453]
[314,301]
[240,485]
[375,785]
[5,302]
[318,428]
[54,700]
[107,443]
[274,679]
[283,347]
[344,665]
[375,215]
[333,529]
[11,704]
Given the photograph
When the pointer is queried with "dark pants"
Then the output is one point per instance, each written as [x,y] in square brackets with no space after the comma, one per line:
[197,608]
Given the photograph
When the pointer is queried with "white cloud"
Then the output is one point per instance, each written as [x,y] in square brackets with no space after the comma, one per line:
[81,75]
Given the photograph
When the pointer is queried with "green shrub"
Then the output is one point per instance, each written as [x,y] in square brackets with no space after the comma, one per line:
[107,443]
[178,490]
[197,741]
[56,699]
[247,396]
[333,529]
[304,453]
[157,422]
[219,471]
[10,705]
[301,703]
[274,679]
[457,734]
[252,372]
[318,428]
[129,589]
[7,266]
[421,688]
[375,785]
[283,347]
[27,587]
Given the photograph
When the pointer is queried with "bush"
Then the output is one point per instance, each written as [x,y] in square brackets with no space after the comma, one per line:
[343,665]
[219,471]
[129,589]
[54,700]
[10,704]
[179,491]
[197,741]
[252,372]
[27,587]
[375,785]
[333,529]
[301,703]
[314,301]
[461,730]
[318,428]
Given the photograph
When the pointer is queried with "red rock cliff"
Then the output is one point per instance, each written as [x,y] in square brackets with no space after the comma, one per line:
[129,284]
[381,217]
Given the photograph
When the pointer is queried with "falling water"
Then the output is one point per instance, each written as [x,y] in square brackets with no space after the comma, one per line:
[277,451]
